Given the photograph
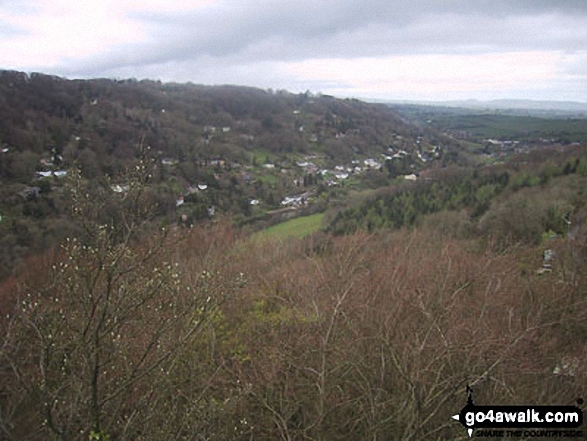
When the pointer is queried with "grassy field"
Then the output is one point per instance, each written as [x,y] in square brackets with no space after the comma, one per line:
[298,227]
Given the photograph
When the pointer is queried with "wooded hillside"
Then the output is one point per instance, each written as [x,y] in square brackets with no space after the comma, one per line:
[141,306]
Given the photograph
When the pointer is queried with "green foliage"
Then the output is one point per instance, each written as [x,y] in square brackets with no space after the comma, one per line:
[404,205]
[512,210]
[455,224]
[525,215]
[525,180]
[298,228]
[516,220]
[99,435]
[581,167]
[274,315]
[44,185]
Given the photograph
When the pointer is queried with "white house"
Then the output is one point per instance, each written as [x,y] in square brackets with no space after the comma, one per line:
[372,163]
[169,161]
[120,188]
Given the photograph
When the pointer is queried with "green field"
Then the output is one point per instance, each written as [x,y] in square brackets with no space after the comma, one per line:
[298,227]
[494,124]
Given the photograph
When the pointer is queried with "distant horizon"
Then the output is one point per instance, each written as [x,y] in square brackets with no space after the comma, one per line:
[432,101]
[491,100]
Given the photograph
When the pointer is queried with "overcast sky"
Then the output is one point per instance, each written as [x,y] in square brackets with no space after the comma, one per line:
[385,49]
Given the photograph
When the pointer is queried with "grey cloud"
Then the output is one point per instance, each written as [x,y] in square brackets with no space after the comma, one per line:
[19,6]
[7,30]
[574,62]
[258,19]
[15,7]
[265,30]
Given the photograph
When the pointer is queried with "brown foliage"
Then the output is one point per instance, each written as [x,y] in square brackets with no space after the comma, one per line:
[368,337]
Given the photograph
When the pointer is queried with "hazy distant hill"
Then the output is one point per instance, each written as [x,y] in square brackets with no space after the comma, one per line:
[512,106]
[566,106]
[481,124]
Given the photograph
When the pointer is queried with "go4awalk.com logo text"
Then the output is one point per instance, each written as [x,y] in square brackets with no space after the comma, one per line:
[521,421]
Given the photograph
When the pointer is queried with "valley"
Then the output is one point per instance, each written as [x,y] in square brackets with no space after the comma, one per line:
[228,263]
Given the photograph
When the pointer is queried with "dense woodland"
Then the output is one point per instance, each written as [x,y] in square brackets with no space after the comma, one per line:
[511,124]
[518,201]
[128,323]
[217,136]
[42,113]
